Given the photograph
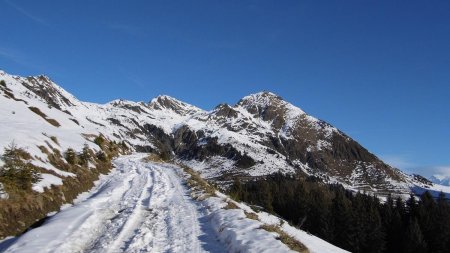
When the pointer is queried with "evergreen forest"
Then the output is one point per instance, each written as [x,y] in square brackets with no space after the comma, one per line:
[353,221]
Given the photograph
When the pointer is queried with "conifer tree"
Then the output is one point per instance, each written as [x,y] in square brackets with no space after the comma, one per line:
[342,221]
[414,241]
[70,156]
[440,242]
[16,170]
[85,155]
[317,220]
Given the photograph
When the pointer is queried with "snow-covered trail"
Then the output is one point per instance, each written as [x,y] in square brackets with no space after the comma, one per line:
[139,207]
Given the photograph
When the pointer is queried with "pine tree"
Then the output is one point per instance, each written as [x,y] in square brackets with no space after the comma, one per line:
[70,156]
[17,171]
[265,196]
[317,220]
[426,212]
[343,224]
[440,241]
[237,190]
[395,233]
[85,155]
[375,236]
[411,206]
[414,241]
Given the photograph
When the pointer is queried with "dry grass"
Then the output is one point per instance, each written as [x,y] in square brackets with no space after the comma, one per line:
[152,157]
[53,122]
[285,238]
[44,150]
[54,139]
[230,205]
[252,216]
[44,116]
[24,207]
[37,111]
[201,188]
[195,181]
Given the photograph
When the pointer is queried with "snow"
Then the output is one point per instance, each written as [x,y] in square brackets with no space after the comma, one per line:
[137,208]
[128,209]
[242,234]
[3,194]
[146,207]
[434,189]
[313,243]
[440,179]
[121,120]
[46,181]
[46,165]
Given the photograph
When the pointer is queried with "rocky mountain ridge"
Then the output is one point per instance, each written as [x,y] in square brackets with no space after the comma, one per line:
[260,135]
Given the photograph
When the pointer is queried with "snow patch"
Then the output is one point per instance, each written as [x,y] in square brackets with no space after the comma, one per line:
[3,193]
[46,181]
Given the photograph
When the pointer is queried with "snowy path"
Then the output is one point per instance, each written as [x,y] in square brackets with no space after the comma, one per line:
[139,207]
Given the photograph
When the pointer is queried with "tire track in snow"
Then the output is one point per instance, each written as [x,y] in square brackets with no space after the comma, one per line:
[140,207]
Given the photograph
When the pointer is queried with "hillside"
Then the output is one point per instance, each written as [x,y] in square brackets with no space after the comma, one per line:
[65,145]
[147,206]
[260,135]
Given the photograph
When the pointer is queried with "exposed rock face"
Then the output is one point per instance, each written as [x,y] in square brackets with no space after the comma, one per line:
[263,134]
[43,87]
[260,135]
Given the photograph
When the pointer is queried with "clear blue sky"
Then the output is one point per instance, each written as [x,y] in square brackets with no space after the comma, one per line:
[378,70]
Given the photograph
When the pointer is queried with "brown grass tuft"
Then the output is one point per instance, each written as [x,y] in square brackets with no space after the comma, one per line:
[252,216]
[44,116]
[230,205]
[285,238]
[54,139]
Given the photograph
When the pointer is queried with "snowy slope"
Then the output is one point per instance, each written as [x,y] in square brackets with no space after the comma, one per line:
[145,207]
[260,135]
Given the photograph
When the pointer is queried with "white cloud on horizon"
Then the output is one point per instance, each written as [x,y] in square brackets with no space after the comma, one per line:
[441,171]
[403,163]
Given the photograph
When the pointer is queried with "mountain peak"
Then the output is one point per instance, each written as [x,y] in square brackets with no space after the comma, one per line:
[47,90]
[263,97]
[268,105]
[440,179]
[162,102]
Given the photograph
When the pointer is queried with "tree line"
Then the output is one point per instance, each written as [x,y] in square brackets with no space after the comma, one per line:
[356,222]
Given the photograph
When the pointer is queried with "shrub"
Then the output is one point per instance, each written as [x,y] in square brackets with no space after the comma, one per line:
[70,156]
[102,156]
[85,155]
[17,172]
[99,140]
[54,139]
[165,155]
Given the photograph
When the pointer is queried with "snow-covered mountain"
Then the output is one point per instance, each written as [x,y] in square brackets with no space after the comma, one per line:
[260,135]
[440,179]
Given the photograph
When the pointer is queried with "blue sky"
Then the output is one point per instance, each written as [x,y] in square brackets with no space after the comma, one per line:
[378,70]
